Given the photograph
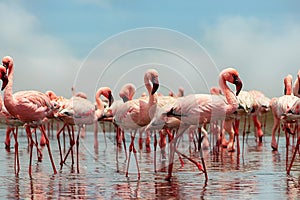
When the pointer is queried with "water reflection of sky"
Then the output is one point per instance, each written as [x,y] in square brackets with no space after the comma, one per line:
[260,175]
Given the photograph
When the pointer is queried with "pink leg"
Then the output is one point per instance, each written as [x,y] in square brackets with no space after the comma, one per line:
[257,125]
[59,145]
[77,149]
[17,161]
[124,143]
[148,140]
[29,136]
[7,138]
[172,144]
[228,126]
[48,147]
[72,142]
[132,148]
[155,145]
[274,129]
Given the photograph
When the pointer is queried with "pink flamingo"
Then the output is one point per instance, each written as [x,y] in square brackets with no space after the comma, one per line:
[296,88]
[79,111]
[292,115]
[126,94]
[262,107]
[279,106]
[134,114]
[107,93]
[198,109]
[31,107]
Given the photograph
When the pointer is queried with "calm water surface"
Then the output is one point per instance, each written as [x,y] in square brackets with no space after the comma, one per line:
[259,174]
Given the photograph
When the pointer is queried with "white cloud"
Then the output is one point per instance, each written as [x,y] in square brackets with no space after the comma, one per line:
[42,62]
[263,51]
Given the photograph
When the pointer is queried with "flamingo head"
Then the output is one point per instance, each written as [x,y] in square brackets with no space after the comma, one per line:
[180,92]
[106,91]
[298,76]
[152,76]
[7,62]
[127,92]
[3,77]
[288,81]
[231,75]
[110,98]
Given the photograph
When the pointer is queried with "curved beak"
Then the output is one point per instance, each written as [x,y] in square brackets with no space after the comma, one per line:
[154,88]
[4,79]
[238,85]
[125,99]
[110,99]
[299,85]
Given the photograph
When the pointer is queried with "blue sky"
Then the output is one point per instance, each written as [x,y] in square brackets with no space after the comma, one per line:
[52,41]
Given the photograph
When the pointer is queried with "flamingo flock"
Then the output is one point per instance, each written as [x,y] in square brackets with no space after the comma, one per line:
[153,114]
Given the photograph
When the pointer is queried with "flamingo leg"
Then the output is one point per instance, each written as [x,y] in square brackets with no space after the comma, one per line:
[77,148]
[7,138]
[38,152]
[202,158]
[59,145]
[294,155]
[29,136]
[287,138]
[228,126]
[48,147]
[172,143]
[104,134]
[275,127]
[155,145]
[244,132]
[163,143]
[124,143]
[71,136]
[132,148]
[257,125]
[117,129]
[17,161]
[96,143]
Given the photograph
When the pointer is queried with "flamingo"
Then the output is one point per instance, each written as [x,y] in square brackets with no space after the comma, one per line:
[296,88]
[101,106]
[262,107]
[79,111]
[12,127]
[126,94]
[31,107]
[11,122]
[198,109]
[292,115]
[134,114]
[280,106]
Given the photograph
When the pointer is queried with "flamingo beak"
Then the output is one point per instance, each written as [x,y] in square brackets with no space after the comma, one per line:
[284,92]
[4,79]
[125,99]
[110,99]
[238,85]
[299,84]
[155,87]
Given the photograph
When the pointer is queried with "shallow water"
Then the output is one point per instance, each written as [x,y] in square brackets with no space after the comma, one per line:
[259,174]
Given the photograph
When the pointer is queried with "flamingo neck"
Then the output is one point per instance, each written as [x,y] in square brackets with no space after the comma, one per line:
[152,99]
[229,95]
[288,86]
[8,92]
[99,103]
